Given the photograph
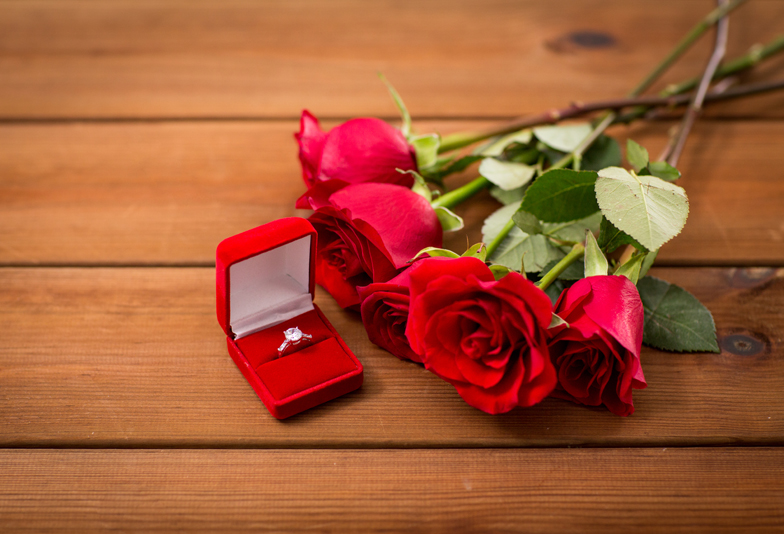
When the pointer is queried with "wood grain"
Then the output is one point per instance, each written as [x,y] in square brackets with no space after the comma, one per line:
[452,58]
[646,490]
[124,357]
[169,192]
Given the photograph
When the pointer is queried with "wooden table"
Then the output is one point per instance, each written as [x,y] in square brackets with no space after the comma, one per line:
[134,136]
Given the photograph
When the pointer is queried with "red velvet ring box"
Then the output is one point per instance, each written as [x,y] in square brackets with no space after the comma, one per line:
[265,280]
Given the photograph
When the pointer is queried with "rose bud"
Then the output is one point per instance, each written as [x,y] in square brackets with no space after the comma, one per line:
[359,150]
[385,314]
[597,356]
[367,233]
[485,337]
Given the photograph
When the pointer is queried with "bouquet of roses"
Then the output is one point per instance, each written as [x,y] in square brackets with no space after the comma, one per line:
[517,317]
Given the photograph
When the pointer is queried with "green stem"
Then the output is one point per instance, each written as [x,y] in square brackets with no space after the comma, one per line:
[463,139]
[575,254]
[695,33]
[461,194]
[495,243]
[608,118]
[747,61]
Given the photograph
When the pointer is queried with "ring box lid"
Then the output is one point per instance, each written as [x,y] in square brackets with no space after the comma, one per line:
[265,276]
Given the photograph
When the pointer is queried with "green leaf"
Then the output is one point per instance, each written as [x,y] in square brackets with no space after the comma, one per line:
[564,138]
[426,148]
[637,155]
[554,290]
[664,170]
[604,152]
[647,263]
[595,262]
[561,195]
[499,271]
[527,222]
[537,249]
[647,208]
[435,252]
[406,128]
[573,231]
[506,174]
[674,319]
[450,222]
[610,238]
[573,272]
[508,197]
[631,269]
[496,148]
[477,251]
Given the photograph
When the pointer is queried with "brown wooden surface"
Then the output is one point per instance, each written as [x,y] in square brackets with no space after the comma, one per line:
[239,58]
[135,358]
[169,192]
[394,491]
[134,136]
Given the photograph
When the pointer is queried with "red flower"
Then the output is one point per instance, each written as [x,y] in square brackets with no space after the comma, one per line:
[385,314]
[598,356]
[359,150]
[367,233]
[485,337]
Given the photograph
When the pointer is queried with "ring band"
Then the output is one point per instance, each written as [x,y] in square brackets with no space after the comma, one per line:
[294,336]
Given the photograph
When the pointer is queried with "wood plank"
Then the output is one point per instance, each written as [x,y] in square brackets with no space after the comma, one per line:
[134,357]
[251,59]
[647,490]
[168,192]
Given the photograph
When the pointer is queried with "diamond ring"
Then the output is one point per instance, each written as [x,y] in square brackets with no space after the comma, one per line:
[293,336]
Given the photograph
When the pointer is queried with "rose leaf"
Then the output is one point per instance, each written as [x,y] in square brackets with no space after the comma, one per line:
[664,170]
[508,197]
[561,195]
[637,155]
[610,238]
[674,319]
[506,174]
[571,273]
[538,250]
[527,222]
[564,138]
[647,208]
[497,147]
[604,152]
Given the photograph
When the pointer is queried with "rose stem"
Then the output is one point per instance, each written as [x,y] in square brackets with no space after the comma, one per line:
[644,103]
[575,254]
[459,140]
[608,119]
[673,151]
[460,194]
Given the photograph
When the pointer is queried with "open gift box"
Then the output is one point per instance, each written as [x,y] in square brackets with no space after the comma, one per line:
[265,281]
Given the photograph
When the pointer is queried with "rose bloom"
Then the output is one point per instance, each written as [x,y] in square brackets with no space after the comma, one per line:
[485,337]
[385,314]
[367,233]
[359,150]
[597,356]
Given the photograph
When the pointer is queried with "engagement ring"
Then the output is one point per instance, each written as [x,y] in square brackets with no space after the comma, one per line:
[294,336]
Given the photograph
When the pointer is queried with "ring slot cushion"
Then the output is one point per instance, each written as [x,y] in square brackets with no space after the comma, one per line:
[264,285]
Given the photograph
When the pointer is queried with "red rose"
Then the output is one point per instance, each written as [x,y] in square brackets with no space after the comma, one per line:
[385,314]
[359,150]
[367,233]
[598,356]
[485,337]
